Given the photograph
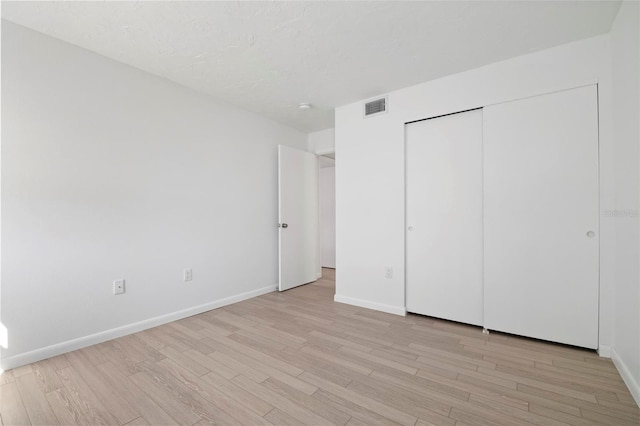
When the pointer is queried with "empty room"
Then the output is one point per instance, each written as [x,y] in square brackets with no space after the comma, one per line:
[320,213]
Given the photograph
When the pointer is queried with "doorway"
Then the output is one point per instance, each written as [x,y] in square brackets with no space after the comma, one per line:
[327,195]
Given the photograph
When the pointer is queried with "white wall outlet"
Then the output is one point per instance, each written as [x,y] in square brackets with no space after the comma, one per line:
[187,275]
[118,287]
[388,272]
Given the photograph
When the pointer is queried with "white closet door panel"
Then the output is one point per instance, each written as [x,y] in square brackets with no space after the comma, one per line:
[444,217]
[541,217]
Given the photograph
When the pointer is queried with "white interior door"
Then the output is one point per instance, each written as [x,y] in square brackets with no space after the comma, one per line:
[444,217]
[541,217]
[298,217]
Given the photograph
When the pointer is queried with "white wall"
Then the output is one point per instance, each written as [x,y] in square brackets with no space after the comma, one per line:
[328,216]
[370,178]
[3,330]
[321,142]
[109,172]
[625,48]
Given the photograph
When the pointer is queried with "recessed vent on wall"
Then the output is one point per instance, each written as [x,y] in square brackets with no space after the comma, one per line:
[375,107]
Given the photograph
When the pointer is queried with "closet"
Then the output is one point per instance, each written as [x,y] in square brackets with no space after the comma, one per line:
[502,229]
[444,217]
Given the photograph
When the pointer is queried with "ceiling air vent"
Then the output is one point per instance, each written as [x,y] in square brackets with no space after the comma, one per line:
[375,107]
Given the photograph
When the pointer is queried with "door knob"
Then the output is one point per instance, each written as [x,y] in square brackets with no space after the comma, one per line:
[284,225]
[591,234]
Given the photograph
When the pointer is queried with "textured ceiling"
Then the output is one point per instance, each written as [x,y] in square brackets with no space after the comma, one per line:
[268,57]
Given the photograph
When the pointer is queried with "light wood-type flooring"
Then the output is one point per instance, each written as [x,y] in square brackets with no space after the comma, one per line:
[299,358]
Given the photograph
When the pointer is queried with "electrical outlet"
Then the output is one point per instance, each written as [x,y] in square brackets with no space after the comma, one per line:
[388,272]
[118,287]
[187,275]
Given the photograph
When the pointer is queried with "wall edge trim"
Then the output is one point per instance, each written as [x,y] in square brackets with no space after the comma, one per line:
[93,339]
[629,380]
[390,309]
[604,351]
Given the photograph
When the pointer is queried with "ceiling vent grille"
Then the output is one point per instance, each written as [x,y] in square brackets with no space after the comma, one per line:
[375,107]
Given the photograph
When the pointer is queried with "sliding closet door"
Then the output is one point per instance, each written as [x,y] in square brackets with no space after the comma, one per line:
[444,217]
[541,217]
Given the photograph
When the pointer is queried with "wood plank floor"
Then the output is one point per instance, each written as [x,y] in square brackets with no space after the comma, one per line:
[299,358]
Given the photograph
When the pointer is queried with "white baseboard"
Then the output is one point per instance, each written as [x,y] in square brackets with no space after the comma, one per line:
[396,310]
[92,339]
[604,351]
[629,380]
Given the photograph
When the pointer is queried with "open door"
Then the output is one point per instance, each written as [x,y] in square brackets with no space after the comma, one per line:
[298,217]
